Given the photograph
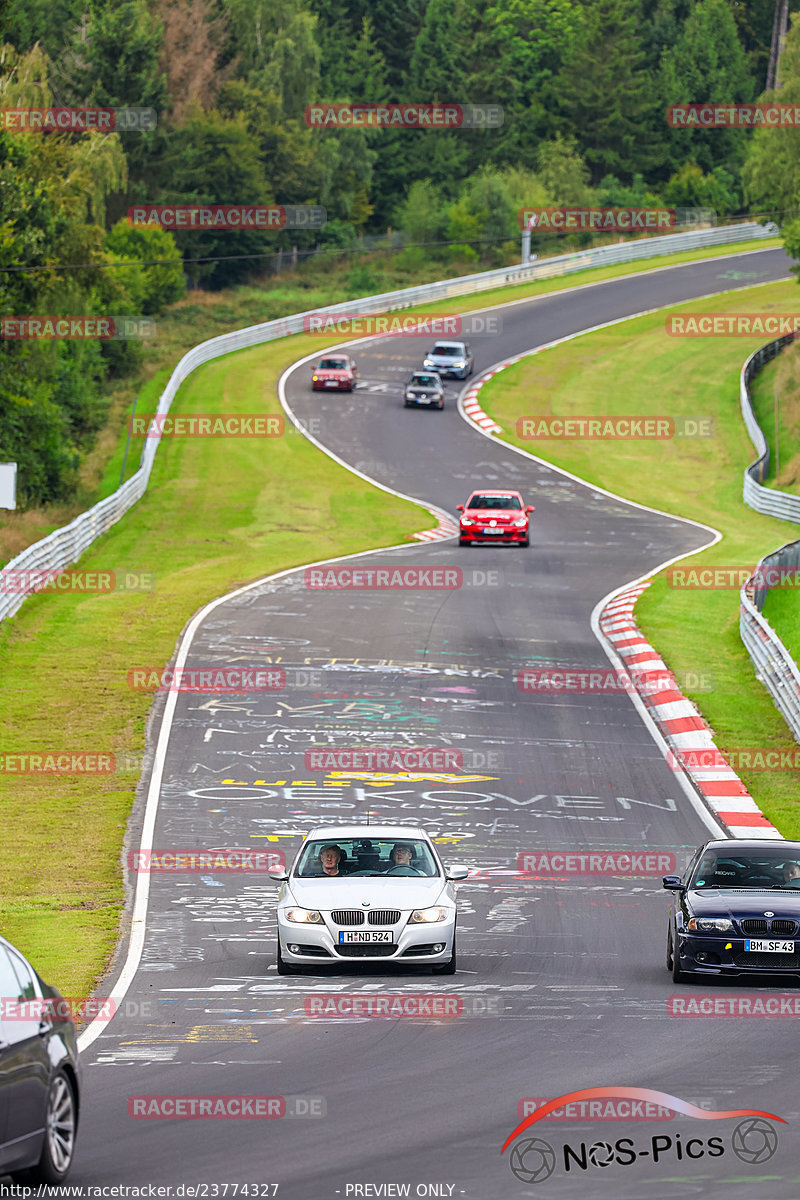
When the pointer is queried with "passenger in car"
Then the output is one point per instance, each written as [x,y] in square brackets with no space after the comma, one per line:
[330,857]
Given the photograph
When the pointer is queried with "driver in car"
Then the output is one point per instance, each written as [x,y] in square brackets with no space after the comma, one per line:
[401,855]
[791,872]
[330,857]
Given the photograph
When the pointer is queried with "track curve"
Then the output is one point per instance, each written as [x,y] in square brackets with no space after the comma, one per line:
[568,973]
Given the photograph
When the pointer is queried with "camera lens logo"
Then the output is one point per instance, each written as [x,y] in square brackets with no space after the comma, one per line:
[533,1160]
[754,1140]
[601,1154]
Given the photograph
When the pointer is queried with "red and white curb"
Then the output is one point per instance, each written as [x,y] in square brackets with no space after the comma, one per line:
[447,528]
[684,729]
[472,409]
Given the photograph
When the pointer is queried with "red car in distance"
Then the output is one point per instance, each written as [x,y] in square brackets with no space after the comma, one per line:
[337,373]
[495,516]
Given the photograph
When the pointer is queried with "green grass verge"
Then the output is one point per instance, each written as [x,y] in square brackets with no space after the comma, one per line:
[214,517]
[695,631]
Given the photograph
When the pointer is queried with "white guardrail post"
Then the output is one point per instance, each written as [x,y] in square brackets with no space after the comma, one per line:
[64,546]
[774,665]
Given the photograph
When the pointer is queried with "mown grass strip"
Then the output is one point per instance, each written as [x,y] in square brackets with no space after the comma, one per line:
[695,630]
[217,514]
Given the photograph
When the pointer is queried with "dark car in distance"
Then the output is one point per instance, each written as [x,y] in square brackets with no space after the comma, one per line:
[736,910]
[424,388]
[39,1075]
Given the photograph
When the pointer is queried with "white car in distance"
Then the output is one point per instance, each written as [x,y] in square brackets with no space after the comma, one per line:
[370,893]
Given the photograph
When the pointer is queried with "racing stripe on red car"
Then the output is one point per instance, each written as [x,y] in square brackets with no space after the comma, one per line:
[684,729]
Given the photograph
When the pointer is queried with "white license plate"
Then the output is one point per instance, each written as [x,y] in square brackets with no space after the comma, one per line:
[365,935]
[768,947]
[331,383]
[500,531]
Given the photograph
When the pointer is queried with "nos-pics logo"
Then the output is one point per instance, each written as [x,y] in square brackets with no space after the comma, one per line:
[754,1140]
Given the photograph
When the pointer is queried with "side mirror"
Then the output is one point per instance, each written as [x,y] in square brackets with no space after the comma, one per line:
[460,507]
[673,883]
[529,508]
[455,873]
[278,874]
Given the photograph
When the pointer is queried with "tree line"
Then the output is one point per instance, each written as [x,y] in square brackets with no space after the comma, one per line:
[583,85]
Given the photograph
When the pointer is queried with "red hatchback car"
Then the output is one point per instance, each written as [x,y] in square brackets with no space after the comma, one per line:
[495,516]
[337,373]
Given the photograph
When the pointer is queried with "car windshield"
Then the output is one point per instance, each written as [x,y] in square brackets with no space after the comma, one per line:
[333,364]
[448,351]
[424,381]
[343,857]
[748,869]
[494,502]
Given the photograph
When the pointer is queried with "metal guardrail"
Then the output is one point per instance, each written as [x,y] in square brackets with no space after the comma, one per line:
[774,665]
[64,546]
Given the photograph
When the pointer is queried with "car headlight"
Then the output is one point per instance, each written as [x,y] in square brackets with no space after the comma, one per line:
[467,521]
[314,378]
[460,363]
[409,395]
[521,523]
[303,916]
[426,916]
[709,924]
[427,363]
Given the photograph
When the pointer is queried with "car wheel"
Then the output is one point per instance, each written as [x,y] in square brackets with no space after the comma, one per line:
[61,1126]
[527,542]
[406,404]
[673,959]
[441,405]
[448,968]
[463,542]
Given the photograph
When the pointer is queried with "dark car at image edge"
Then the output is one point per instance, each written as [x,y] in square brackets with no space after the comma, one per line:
[39,1075]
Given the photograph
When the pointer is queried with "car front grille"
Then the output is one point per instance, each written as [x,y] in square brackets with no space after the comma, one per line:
[367,950]
[767,962]
[780,926]
[754,925]
[347,916]
[384,916]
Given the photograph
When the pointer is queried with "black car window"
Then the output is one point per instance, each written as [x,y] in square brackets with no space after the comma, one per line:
[22,971]
[503,502]
[18,1023]
[447,351]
